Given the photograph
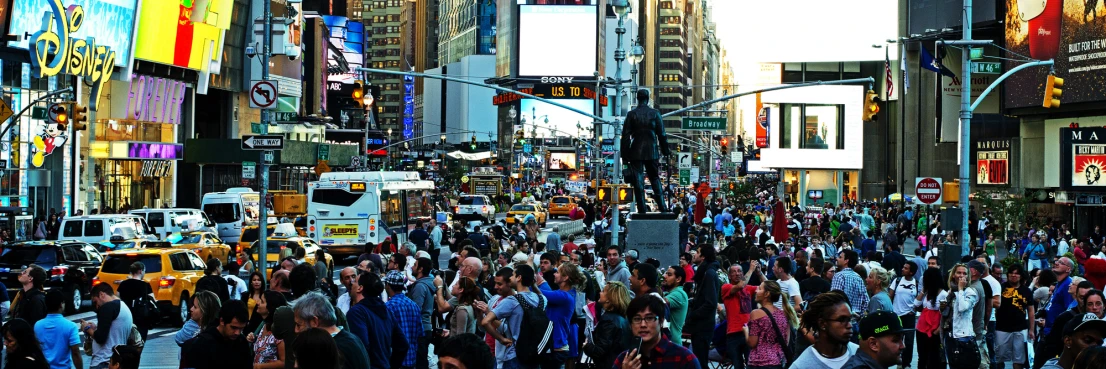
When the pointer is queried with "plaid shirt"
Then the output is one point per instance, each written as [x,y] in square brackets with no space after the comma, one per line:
[852,285]
[406,313]
[666,355]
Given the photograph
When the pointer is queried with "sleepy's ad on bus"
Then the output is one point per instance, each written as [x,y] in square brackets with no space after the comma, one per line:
[340,231]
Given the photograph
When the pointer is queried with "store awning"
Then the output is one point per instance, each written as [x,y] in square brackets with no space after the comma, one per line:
[470,156]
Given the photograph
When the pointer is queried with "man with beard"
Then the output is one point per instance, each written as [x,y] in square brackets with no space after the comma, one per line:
[673,283]
[881,342]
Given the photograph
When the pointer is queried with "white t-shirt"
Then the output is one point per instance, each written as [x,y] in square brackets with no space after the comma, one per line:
[906,293]
[996,290]
[788,288]
[837,362]
[237,290]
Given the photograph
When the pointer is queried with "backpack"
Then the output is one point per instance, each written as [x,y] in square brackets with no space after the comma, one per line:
[535,336]
[145,310]
[134,339]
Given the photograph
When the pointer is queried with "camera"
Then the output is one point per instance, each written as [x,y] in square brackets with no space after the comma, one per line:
[251,52]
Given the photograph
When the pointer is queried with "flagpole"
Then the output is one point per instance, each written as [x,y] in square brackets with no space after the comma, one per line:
[902,116]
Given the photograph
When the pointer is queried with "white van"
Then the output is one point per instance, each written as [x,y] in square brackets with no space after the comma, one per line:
[231,210]
[169,221]
[96,228]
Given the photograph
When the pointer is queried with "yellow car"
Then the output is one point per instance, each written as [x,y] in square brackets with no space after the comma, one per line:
[519,212]
[118,243]
[205,244]
[250,235]
[561,205]
[283,245]
[171,272]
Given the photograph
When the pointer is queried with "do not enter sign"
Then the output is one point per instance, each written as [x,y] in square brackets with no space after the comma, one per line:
[928,190]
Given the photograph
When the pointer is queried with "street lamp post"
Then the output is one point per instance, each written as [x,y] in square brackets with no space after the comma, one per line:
[622,8]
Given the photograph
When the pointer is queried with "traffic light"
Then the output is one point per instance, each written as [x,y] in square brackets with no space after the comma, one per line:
[60,113]
[473,143]
[520,136]
[625,195]
[871,106]
[603,194]
[1053,91]
[359,92]
[725,145]
[78,118]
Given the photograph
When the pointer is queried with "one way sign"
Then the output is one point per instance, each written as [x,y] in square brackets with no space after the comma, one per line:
[254,142]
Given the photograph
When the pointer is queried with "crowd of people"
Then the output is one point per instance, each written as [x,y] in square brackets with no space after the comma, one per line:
[755,286]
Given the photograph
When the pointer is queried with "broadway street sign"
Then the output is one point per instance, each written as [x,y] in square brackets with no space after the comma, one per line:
[704,123]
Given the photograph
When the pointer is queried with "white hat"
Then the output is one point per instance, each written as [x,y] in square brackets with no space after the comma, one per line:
[707,220]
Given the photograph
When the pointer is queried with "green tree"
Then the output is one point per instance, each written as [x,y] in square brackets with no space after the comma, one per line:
[1007,210]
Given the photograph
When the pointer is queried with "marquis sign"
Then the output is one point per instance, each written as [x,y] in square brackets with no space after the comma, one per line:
[54,51]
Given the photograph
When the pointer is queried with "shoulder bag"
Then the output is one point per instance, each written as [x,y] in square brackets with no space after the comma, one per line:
[788,354]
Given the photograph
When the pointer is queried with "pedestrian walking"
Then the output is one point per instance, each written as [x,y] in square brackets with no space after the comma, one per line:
[268,351]
[60,338]
[22,347]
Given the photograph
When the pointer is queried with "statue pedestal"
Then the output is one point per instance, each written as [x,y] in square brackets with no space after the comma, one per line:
[654,235]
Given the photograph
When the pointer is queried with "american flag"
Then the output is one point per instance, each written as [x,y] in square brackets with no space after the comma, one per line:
[887,67]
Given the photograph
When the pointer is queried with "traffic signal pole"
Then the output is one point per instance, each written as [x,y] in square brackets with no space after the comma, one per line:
[263,213]
[966,109]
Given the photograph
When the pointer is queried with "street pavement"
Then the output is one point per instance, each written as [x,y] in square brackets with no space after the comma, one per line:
[161,352]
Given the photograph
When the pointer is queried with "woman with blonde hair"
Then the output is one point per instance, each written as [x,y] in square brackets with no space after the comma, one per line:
[877,282]
[768,328]
[611,335]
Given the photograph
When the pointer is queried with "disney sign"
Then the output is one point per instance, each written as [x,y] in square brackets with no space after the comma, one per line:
[54,51]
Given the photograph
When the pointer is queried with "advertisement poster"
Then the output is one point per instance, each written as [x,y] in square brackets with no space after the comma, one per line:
[763,120]
[993,167]
[992,162]
[952,88]
[110,22]
[1069,32]
[562,161]
[340,231]
[550,32]
[348,37]
[1087,165]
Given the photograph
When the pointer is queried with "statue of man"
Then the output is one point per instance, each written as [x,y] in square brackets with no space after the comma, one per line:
[643,142]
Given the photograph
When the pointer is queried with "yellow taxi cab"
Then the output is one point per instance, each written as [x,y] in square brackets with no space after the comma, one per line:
[282,244]
[205,244]
[119,243]
[171,272]
[519,212]
[561,205]
[250,234]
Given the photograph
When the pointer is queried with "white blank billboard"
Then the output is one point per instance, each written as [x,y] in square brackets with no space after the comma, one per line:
[558,40]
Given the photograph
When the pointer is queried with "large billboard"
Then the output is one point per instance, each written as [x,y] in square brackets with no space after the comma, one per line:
[548,34]
[1083,159]
[346,51]
[1069,33]
[555,121]
[185,33]
[110,22]
[992,158]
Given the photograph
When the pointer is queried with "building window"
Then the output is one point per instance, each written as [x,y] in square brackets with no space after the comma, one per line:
[666,5]
[669,20]
[813,126]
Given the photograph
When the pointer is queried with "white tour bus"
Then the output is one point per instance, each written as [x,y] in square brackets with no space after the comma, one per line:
[345,210]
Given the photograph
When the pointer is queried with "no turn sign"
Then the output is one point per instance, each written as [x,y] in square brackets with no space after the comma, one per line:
[928,190]
[263,94]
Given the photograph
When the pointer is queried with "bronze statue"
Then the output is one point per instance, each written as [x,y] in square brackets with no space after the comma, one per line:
[643,142]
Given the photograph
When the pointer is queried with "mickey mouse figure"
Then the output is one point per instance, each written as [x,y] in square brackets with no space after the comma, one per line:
[52,137]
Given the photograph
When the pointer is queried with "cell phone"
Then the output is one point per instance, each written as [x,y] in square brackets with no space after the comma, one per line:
[638,345]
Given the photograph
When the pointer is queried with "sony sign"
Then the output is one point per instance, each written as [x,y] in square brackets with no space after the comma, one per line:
[557,79]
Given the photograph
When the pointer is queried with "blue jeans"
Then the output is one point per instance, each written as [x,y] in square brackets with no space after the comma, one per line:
[554,360]
[512,364]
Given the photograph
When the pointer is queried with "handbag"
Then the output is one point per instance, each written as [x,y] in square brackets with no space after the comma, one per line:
[788,353]
[961,353]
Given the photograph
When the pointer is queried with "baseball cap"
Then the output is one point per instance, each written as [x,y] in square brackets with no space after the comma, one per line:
[395,278]
[978,266]
[881,323]
[1089,321]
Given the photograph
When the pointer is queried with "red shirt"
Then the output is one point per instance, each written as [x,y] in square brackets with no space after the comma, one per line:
[738,307]
[690,272]
[568,248]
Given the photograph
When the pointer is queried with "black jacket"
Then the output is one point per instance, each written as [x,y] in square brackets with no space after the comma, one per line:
[31,306]
[215,284]
[643,136]
[704,302]
[210,349]
[610,338]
